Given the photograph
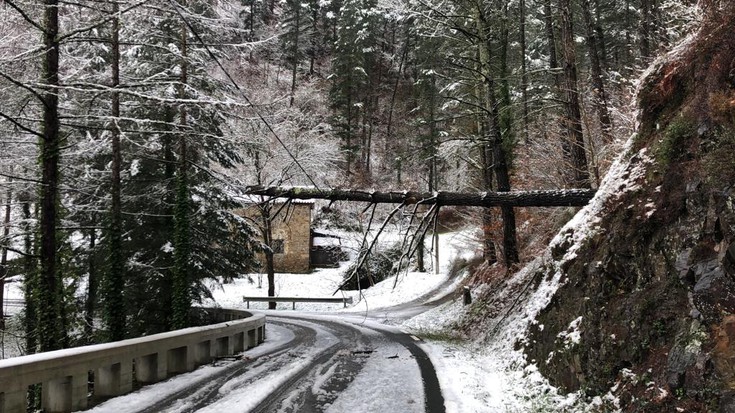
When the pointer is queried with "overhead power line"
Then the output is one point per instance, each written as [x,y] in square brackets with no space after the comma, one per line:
[177,7]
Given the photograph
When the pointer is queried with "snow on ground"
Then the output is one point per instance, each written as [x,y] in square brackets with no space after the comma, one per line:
[491,375]
[474,377]
[324,282]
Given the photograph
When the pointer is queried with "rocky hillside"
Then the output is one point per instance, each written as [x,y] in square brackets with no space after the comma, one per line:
[644,277]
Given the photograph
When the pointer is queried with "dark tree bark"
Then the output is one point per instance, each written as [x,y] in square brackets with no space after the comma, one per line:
[575,138]
[489,253]
[551,198]
[30,271]
[600,36]
[501,148]
[495,127]
[551,41]
[4,254]
[93,280]
[558,90]
[52,331]
[181,297]
[267,233]
[644,29]
[598,84]
[115,285]
[391,107]
[30,291]
[295,51]
[524,72]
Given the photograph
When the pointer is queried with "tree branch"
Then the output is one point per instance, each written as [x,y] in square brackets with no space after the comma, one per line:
[25,16]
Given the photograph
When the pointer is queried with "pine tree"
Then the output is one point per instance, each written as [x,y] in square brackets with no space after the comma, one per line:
[352,66]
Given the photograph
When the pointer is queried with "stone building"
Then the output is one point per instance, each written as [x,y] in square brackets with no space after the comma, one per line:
[291,233]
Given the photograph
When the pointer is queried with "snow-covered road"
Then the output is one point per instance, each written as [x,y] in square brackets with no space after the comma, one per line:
[308,363]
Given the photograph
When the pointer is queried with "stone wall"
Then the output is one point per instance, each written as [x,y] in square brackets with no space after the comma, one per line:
[291,231]
[295,231]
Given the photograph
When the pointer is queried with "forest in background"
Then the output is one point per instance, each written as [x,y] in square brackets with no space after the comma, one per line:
[129,128]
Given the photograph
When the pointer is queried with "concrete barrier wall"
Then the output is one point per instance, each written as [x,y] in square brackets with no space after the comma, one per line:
[63,374]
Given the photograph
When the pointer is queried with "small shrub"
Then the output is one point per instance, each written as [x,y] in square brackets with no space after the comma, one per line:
[674,143]
[718,164]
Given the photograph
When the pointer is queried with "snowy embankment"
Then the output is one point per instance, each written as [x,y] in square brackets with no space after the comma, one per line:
[492,374]
[475,377]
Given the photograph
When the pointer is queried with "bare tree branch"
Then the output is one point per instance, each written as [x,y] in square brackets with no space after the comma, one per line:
[25,16]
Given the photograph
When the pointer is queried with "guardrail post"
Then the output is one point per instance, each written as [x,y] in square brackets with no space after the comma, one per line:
[203,352]
[113,380]
[151,368]
[238,343]
[179,360]
[13,400]
[252,338]
[64,395]
[222,347]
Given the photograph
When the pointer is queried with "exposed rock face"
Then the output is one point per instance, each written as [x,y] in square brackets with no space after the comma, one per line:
[654,284]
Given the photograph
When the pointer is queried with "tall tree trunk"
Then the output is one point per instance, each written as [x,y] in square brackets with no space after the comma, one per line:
[599,96]
[295,51]
[92,281]
[115,280]
[429,151]
[524,72]
[52,331]
[4,253]
[558,89]
[551,41]
[30,281]
[349,153]
[30,292]
[391,108]
[644,29]
[489,253]
[267,232]
[600,37]
[495,134]
[181,299]
[501,147]
[627,58]
[313,48]
[580,172]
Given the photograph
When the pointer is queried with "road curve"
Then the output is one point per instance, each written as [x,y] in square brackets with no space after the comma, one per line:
[319,364]
[371,341]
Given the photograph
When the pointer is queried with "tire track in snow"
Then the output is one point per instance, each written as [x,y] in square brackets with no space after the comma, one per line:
[316,386]
[207,390]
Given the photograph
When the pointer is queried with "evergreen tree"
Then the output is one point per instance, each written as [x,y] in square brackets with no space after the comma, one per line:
[353,62]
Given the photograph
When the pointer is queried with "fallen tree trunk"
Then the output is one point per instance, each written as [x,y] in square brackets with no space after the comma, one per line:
[548,198]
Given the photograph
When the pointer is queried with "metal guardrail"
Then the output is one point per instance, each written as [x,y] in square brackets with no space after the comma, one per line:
[64,374]
[294,300]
